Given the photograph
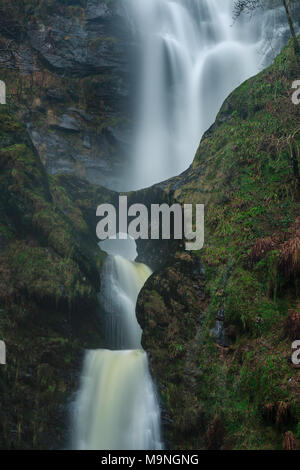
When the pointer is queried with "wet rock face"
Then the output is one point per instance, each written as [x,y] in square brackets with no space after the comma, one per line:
[154,253]
[49,280]
[86,40]
[169,309]
[73,60]
[219,330]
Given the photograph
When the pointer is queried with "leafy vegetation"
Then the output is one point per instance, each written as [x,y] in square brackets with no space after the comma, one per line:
[49,279]
[244,388]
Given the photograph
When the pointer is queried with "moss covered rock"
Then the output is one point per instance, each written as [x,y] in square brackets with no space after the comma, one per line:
[246,391]
[66,70]
[49,280]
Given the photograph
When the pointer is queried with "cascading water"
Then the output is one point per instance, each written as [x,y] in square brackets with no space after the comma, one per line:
[121,282]
[192,57]
[116,407]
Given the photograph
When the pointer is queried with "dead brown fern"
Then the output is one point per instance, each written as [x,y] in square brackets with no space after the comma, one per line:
[283,414]
[214,435]
[290,256]
[289,442]
[261,248]
[269,412]
[292,324]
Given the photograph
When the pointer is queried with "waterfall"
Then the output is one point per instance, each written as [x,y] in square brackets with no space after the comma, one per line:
[192,57]
[122,281]
[116,407]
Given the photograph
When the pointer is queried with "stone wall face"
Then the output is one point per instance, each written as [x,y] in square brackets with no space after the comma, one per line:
[68,65]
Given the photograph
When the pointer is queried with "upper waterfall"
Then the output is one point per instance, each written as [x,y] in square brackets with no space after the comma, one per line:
[192,57]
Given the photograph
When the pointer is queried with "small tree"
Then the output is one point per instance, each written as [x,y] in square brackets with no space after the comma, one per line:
[248,6]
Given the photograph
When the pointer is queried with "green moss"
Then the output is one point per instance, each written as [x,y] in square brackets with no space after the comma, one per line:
[244,174]
[49,279]
[46,276]
[246,305]
[251,192]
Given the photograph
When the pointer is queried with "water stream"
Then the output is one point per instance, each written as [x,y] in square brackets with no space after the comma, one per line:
[191,57]
[117,407]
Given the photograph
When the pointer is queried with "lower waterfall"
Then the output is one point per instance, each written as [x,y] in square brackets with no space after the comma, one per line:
[116,407]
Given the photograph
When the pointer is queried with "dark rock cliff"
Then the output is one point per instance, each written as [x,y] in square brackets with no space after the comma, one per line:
[49,280]
[67,65]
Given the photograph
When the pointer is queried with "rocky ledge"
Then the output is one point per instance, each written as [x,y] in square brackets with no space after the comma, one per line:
[67,67]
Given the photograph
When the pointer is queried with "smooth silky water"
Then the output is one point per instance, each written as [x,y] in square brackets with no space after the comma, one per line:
[116,407]
[122,281]
[192,57]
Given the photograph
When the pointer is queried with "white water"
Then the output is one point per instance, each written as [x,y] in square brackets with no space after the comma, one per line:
[116,407]
[122,281]
[192,57]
